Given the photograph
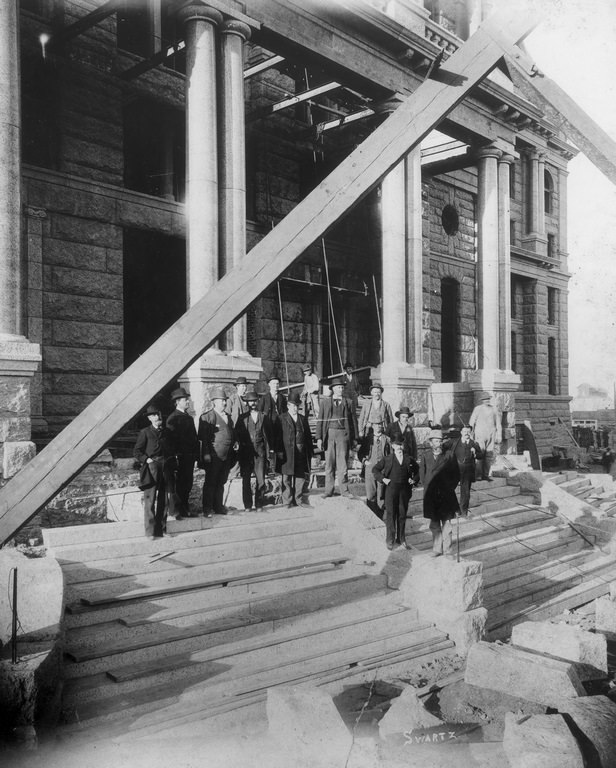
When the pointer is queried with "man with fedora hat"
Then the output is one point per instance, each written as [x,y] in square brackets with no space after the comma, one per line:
[438,470]
[374,447]
[296,449]
[255,439]
[150,451]
[273,403]
[310,392]
[218,446]
[375,408]
[486,426]
[398,473]
[336,433]
[236,404]
[184,446]
[402,429]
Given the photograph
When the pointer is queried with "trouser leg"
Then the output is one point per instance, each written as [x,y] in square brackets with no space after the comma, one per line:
[391,499]
[447,534]
[342,457]
[259,470]
[465,494]
[437,537]
[330,463]
[403,501]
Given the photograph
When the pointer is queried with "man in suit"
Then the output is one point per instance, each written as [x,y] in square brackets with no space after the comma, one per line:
[486,426]
[397,472]
[296,453]
[374,447]
[438,470]
[236,404]
[273,403]
[351,385]
[218,446]
[255,440]
[402,429]
[336,433]
[150,449]
[184,446]
[466,451]
[375,408]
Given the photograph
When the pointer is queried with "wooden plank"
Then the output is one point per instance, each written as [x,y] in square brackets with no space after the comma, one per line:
[196,330]
[560,109]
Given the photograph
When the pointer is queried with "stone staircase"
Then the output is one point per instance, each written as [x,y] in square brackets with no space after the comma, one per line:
[170,633]
[535,565]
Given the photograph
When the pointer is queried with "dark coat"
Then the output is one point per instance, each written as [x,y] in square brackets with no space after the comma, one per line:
[393,431]
[439,477]
[382,469]
[151,444]
[247,448]
[217,437]
[464,456]
[293,460]
[349,419]
[182,434]
[367,444]
[235,407]
[351,387]
[273,408]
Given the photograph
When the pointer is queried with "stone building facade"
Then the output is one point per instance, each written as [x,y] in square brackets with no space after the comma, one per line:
[159,141]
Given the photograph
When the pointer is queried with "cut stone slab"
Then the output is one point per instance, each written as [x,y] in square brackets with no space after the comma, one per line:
[526,674]
[406,713]
[605,615]
[540,741]
[595,716]
[435,583]
[307,725]
[564,642]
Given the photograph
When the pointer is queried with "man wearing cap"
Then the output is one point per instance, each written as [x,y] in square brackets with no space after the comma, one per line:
[466,451]
[402,429]
[255,439]
[218,446]
[438,470]
[351,385]
[185,447]
[310,392]
[336,432]
[398,473]
[273,403]
[486,426]
[236,404]
[375,408]
[296,449]
[374,447]
[150,450]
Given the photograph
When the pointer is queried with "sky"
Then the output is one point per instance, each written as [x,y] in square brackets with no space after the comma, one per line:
[575,45]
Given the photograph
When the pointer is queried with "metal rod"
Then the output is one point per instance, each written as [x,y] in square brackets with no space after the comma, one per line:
[336,288]
[14,619]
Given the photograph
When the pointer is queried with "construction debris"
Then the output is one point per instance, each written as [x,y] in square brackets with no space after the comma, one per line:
[540,741]
[595,716]
[406,713]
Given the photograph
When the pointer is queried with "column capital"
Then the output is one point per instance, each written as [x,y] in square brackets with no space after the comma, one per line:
[234,27]
[506,158]
[200,12]
[489,151]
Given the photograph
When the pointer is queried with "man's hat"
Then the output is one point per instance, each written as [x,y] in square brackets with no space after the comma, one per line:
[306,367]
[218,393]
[250,396]
[273,377]
[152,410]
[376,385]
[397,441]
[485,396]
[435,434]
[294,398]
[376,420]
[240,380]
[178,393]
[404,409]
[337,381]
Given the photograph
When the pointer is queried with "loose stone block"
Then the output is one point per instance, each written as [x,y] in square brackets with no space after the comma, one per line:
[522,673]
[595,716]
[540,741]
[406,713]
[439,582]
[15,456]
[306,724]
[565,642]
[605,615]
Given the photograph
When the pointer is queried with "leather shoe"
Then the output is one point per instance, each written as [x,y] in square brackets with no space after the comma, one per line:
[404,545]
[347,495]
[390,545]
[326,495]
[435,554]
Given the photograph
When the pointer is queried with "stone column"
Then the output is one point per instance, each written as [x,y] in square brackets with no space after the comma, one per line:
[233,160]
[535,239]
[19,359]
[504,262]
[393,249]
[414,247]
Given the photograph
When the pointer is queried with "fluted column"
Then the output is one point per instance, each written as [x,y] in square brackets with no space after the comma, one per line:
[233,160]
[393,222]
[487,258]
[504,261]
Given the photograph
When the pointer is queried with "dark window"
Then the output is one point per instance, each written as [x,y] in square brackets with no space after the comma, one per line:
[512,237]
[134,32]
[514,352]
[552,378]
[552,247]
[548,192]
[450,313]
[552,306]
[512,180]
[450,220]
[39,104]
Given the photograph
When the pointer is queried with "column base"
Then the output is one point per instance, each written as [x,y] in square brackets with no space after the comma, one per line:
[405,384]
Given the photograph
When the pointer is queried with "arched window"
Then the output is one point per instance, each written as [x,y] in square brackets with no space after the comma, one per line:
[450,321]
[548,192]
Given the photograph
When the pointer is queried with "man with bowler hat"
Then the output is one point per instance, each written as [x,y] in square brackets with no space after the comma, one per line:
[402,429]
[273,403]
[398,473]
[439,474]
[296,452]
[375,408]
[255,440]
[236,404]
[218,446]
[150,450]
[336,433]
[184,446]
[466,451]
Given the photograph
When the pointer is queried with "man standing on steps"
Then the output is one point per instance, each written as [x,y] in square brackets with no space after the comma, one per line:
[150,450]
[336,433]
[218,447]
[273,403]
[438,470]
[466,451]
[351,385]
[375,408]
[310,391]
[374,447]
[486,425]
[398,473]
[183,444]
[255,440]
[296,453]
[236,404]
[402,429]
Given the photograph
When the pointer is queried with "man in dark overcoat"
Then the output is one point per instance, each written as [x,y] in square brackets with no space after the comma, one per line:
[218,445]
[466,451]
[336,433]
[398,473]
[403,430]
[184,446]
[149,452]
[296,453]
[438,470]
[351,385]
[273,403]
[255,439]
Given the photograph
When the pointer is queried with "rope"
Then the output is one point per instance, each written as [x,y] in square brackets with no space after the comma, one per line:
[284,343]
[331,305]
[378,314]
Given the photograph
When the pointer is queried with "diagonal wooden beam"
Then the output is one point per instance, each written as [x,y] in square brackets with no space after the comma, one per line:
[560,109]
[196,330]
